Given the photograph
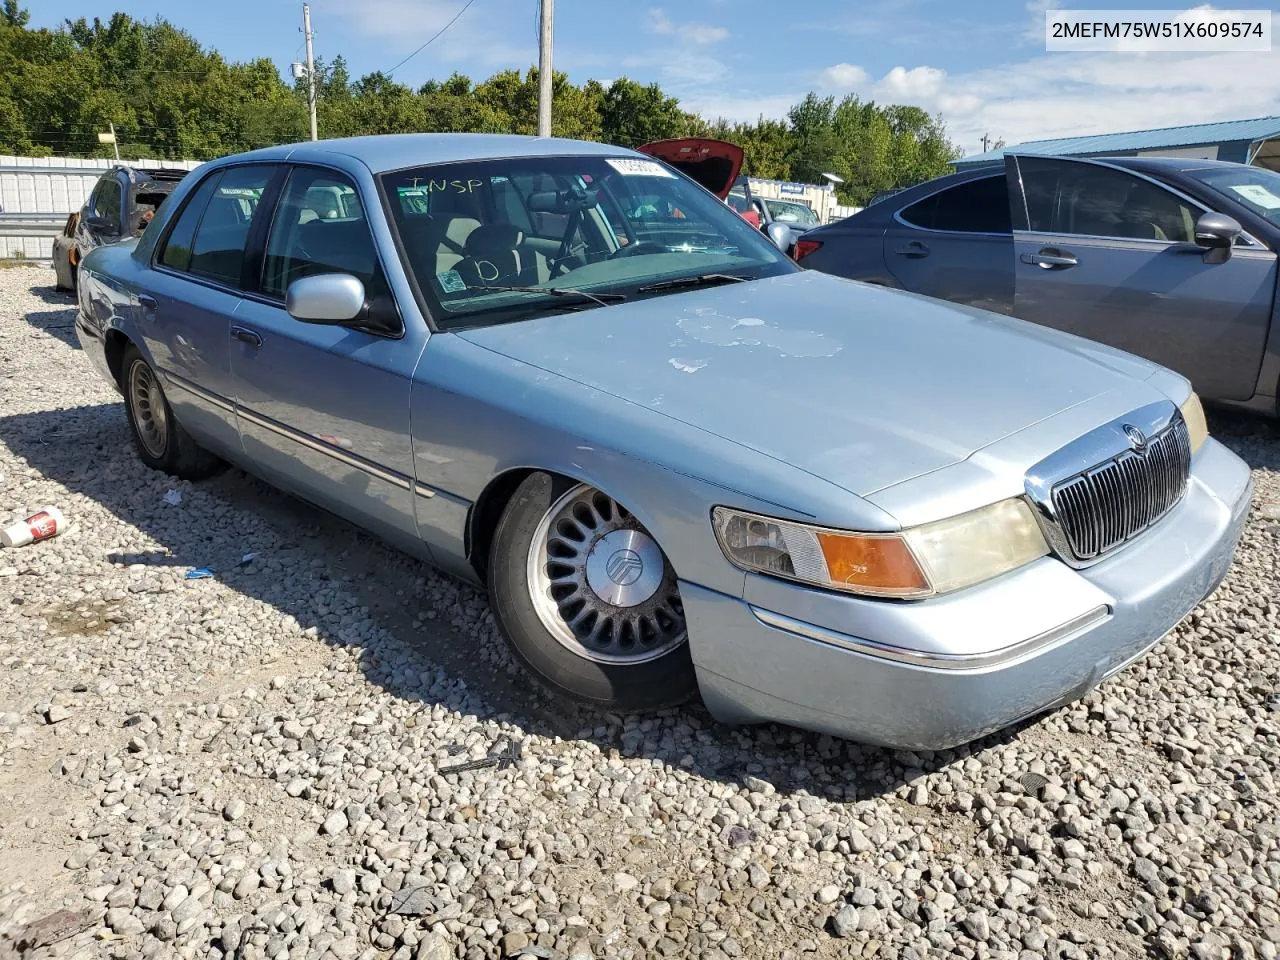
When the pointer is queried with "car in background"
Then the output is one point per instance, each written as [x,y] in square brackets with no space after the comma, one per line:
[716,165]
[121,205]
[65,256]
[1171,259]
[680,463]
[799,216]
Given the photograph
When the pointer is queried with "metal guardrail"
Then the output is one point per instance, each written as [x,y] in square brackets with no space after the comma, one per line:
[32,224]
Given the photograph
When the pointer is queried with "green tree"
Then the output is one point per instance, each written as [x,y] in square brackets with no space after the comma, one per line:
[631,114]
[14,15]
[168,96]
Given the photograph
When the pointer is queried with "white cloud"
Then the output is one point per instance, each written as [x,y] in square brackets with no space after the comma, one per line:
[918,83]
[696,33]
[1075,94]
[843,76]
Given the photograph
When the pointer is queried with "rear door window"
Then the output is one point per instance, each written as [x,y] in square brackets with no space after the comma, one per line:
[177,248]
[219,247]
[978,206]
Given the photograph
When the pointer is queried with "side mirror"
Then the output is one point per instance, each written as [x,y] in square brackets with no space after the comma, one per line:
[781,235]
[1216,233]
[332,298]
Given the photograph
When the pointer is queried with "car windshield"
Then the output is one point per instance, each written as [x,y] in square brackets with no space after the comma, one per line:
[1255,187]
[785,211]
[602,225]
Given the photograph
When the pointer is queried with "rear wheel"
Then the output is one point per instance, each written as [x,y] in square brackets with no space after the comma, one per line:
[587,599]
[161,441]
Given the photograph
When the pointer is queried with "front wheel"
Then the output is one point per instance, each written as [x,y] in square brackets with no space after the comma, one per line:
[588,600]
[161,441]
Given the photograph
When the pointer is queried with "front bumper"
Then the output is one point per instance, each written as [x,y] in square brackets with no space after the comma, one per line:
[935,673]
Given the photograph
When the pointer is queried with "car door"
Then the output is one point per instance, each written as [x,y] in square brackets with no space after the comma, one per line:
[324,408]
[955,244]
[194,288]
[1110,254]
[104,215]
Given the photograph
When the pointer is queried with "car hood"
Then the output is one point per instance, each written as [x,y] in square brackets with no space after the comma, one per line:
[712,163]
[862,386]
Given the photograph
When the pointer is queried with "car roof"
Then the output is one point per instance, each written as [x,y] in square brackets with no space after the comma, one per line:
[396,151]
[1170,164]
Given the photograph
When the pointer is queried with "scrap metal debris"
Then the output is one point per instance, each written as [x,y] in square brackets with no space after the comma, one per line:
[511,754]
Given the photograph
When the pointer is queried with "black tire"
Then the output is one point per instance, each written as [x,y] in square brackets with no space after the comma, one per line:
[666,681]
[167,447]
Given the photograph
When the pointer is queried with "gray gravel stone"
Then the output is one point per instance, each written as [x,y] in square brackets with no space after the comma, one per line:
[846,921]
[248,765]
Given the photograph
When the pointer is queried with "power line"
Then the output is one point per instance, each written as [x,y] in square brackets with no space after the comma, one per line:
[433,39]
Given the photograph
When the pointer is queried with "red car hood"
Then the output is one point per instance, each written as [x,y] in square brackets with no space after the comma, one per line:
[713,163]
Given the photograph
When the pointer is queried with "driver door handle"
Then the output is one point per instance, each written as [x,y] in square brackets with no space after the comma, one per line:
[147,301]
[1050,258]
[914,249]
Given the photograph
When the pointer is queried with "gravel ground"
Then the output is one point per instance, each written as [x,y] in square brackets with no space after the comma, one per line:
[250,765]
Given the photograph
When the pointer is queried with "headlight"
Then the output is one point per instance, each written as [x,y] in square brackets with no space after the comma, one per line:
[933,558]
[1193,414]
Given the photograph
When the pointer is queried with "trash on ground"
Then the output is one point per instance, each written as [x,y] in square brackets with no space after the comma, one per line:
[1033,782]
[40,524]
[247,559]
[199,573]
[173,498]
[511,754]
[52,929]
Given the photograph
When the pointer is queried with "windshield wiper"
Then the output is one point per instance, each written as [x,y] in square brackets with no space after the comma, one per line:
[603,299]
[702,280]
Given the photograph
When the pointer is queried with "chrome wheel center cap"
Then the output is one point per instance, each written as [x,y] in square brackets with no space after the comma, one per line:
[624,568]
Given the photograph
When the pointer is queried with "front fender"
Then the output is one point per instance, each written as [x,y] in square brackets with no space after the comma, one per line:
[478,416]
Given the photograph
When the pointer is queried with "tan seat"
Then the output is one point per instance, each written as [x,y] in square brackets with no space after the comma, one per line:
[436,245]
[497,255]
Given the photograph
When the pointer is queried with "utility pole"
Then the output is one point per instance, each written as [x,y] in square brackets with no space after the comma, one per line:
[115,144]
[544,68]
[986,138]
[311,69]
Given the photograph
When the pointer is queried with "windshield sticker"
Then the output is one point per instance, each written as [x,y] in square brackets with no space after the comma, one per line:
[451,281]
[1257,194]
[639,168]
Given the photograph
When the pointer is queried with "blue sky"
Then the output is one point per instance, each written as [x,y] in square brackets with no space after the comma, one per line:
[981,64]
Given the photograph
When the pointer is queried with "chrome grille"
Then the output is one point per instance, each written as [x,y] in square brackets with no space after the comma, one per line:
[1115,500]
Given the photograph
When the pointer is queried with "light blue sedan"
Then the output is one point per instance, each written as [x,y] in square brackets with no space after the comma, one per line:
[680,464]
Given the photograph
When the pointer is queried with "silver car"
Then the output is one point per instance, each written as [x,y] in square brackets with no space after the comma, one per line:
[680,464]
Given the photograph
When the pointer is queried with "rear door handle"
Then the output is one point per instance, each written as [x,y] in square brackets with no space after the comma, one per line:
[245,335]
[148,301]
[1050,259]
[914,249]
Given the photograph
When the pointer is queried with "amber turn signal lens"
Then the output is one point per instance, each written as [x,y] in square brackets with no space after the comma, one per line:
[872,564]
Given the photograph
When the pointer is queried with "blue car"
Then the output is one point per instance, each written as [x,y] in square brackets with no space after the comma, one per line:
[680,464]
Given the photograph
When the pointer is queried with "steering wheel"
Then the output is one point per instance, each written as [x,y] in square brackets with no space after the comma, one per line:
[636,249]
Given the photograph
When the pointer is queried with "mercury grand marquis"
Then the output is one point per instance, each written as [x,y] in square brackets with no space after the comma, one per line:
[680,464]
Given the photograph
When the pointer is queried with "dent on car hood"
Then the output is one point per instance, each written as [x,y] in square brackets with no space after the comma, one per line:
[861,386]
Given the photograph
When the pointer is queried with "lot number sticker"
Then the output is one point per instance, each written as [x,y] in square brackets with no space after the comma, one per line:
[639,168]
